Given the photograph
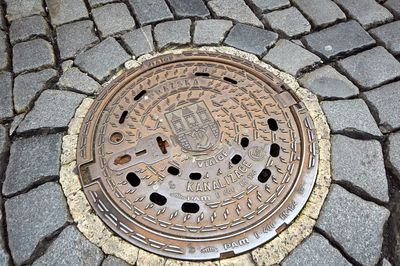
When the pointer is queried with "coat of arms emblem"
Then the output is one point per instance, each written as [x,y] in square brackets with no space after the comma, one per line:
[194,127]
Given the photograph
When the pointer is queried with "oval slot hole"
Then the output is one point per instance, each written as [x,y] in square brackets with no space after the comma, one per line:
[173,170]
[274,150]
[139,95]
[133,179]
[162,144]
[230,80]
[158,199]
[236,159]
[244,142]
[264,175]
[195,176]
[122,159]
[190,207]
[201,74]
[140,153]
[122,117]
[272,124]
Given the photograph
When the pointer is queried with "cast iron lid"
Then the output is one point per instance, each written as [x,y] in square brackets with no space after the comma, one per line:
[197,156]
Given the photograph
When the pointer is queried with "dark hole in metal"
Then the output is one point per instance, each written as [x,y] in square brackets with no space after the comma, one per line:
[173,170]
[140,153]
[274,150]
[133,179]
[236,159]
[264,175]
[244,142]
[162,144]
[122,117]
[116,137]
[195,176]
[123,159]
[201,74]
[272,124]
[158,199]
[230,80]
[139,95]
[190,207]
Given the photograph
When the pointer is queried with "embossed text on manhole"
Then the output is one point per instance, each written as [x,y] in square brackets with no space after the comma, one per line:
[197,156]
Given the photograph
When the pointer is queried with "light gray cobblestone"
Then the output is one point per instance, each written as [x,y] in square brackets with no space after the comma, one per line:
[394,152]
[76,80]
[114,261]
[62,12]
[189,8]
[235,10]
[172,33]
[27,28]
[4,54]
[210,31]
[289,22]
[139,41]
[6,101]
[263,6]
[23,8]
[150,11]
[394,6]
[388,35]
[320,12]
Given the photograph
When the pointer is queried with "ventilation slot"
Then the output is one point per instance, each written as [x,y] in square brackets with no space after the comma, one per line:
[133,179]
[244,142]
[264,175]
[230,80]
[173,170]
[274,150]
[158,199]
[122,117]
[236,159]
[190,207]
[202,74]
[195,176]
[272,124]
[139,95]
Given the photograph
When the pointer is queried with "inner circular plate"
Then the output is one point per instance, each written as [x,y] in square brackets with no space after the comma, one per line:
[197,156]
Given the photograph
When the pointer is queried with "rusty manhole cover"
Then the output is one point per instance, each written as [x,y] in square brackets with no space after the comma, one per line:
[197,156]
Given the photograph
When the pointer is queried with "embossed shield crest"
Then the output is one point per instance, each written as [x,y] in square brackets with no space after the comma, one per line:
[194,127]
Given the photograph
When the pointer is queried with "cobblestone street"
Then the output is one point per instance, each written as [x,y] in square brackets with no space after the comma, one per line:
[56,55]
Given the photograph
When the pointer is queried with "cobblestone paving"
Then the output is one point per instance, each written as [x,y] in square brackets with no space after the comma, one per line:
[54,53]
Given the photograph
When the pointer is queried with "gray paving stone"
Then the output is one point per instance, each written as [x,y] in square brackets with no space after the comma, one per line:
[71,248]
[388,35]
[112,19]
[371,68]
[268,5]
[6,101]
[95,3]
[4,47]
[75,37]
[394,6]
[3,24]
[210,31]
[289,22]
[320,12]
[354,161]
[32,160]
[385,100]
[76,80]
[290,57]
[15,123]
[24,59]
[114,261]
[29,222]
[62,12]
[356,224]
[4,257]
[150,11]
[350,116]
[326,82]
[28,86]
[315,251]
[261,39]
[368,12]
[23,8]
[235,10]
[53,109]
[4,145]
[385,262]
[339,39]
[189,8]
[172,33]
[394,152]
[101,60]
[27,28]
[139,41]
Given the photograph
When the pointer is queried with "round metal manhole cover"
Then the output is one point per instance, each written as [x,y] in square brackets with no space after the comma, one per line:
[197,156]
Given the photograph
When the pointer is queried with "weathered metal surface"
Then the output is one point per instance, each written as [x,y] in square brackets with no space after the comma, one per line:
[197,156]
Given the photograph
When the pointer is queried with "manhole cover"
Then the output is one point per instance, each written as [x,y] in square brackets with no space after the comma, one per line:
[197,156]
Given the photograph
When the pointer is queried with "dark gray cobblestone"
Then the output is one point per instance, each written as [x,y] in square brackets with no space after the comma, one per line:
[71,248]
[75,37]
[354,160]
[25,60]
[112,19]
[139,41]
[23,8]
[114,261]
[28,86]
[290,57]
[32,160]
[385,100]
[4,256]
[235,10]
[339,39]
[101,60]
[62,12]
[29,222]
[6,102]
[53,109]
[269,5]
[3,24]
[289,22]
[368,75]
[150,11]
[172,33]
[320,13]
[4,47]
[350,116]
[394,152]
[355,224]
[76,80]
[189,8]
[24,29]
[388,35]
[368,12]
[328,83]
[315,251]
[240,35]
[211,31]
